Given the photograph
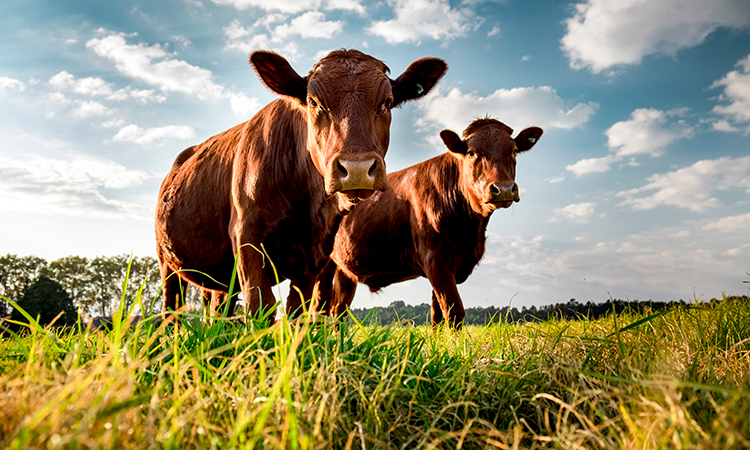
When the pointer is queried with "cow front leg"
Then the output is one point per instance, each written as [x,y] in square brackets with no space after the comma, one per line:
[344,289]
[255,282]
[445,294]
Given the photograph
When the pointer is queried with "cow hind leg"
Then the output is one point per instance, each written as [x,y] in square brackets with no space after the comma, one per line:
[216,303]
[299,299]
[173,293]
[344,289]
[436,312]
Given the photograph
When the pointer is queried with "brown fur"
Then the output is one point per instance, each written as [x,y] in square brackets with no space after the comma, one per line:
[431,223]
[277,185]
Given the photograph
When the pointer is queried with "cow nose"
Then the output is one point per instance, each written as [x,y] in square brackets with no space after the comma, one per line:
[354,172]
[504,193]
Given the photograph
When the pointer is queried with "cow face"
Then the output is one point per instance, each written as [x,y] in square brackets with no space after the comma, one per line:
[487,162]
[348,98]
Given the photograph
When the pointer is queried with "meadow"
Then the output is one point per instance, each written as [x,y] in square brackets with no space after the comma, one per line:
[678,378]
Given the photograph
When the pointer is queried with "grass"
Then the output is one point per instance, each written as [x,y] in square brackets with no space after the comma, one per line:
[674,379]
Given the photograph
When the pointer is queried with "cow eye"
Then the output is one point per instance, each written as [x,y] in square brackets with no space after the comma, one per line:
[388,104]
[312,102]
[471,154]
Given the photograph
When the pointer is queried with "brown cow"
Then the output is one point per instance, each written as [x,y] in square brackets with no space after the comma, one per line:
[430,223]
[279,183]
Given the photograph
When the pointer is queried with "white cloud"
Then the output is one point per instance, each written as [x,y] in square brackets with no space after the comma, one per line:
[591,165]
[243,106]
[648,131]
[153,65]
[731,223]
[311,24]
[294,6]
[69,185]
[494,31]
[518,108]
[417,19]
[737,95]
[607,33]
[575,212]
[88,109]
[86,86]
[691,187]
[143,136]
[11,83]
[95,86]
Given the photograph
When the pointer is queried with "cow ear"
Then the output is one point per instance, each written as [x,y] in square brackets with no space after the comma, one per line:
[528,138]
[418,79]
[278,75]
[453,142]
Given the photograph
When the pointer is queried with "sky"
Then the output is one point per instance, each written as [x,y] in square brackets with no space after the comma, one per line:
[639,188]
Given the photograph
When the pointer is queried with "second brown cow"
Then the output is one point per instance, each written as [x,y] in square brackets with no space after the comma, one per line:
[431,222]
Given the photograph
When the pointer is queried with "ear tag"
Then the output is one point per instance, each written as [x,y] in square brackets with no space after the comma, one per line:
[420,89]
[532,140]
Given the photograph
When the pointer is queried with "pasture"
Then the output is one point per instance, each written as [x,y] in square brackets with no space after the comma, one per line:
[673,379]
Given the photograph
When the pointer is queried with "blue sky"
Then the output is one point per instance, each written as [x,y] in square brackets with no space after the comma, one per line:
[638,189]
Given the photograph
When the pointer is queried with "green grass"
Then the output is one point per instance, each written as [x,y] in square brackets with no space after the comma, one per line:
[675,379]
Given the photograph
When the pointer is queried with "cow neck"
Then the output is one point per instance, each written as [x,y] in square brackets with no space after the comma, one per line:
[450,208]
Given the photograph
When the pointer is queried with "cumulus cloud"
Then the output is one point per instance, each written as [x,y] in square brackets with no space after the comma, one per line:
[295,6]
[95,86]
[648,131]
[90,108]
[736,97]
[10,83]
[575,212]
[730,224]
[691,187]
[70,185]
[153,65]
[607,33]
[418,19]
[518,108]
[144,136]
[591,165]
[311,24]
[244,106]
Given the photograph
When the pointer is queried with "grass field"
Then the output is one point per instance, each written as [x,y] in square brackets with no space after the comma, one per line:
[676,379]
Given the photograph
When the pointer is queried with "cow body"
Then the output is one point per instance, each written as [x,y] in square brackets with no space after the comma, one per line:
[431,222]
[277,186]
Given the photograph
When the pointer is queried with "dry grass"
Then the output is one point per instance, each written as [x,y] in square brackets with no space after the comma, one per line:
[678,379]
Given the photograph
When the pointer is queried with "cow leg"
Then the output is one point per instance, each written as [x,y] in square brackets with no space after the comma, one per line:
[344,289]
[173,298]
[323,300]
[299,293]
[446,294]
[436,313]
[255,283]
[216,302]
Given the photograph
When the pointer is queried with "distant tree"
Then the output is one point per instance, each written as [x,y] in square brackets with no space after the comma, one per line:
[74,274]
[45,298]
[17,273]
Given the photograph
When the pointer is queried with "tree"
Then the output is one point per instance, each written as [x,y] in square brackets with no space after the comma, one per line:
[45,298]
[73,273]
[16,273]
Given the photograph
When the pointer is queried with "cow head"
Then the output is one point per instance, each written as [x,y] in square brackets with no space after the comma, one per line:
[487,162]
[348,98]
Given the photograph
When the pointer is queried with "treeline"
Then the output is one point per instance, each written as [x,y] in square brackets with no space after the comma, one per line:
[93,286]
[572,310]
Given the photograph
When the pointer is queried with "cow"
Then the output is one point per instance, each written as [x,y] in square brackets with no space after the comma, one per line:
[268,195]
[431,222]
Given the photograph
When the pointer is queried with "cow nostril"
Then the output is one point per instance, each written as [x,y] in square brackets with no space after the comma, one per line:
[494,190]
[342,170]
[372,169]
[514,189]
